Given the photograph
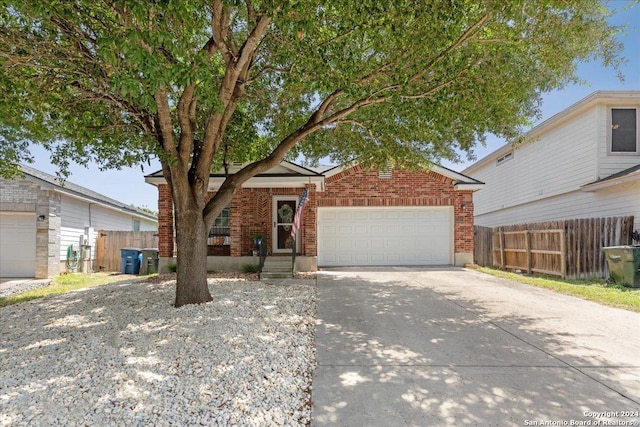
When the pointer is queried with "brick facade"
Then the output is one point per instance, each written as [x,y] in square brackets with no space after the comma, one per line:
[165,221]
[251,208]
[251,213]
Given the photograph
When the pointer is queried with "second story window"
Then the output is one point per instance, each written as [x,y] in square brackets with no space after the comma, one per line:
[624,130]
[504,158]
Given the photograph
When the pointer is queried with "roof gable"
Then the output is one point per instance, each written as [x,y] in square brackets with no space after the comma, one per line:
[284,175]
[459,181]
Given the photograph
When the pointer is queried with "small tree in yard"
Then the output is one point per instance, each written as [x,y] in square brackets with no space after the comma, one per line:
[199,83]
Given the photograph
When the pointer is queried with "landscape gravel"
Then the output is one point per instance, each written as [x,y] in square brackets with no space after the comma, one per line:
[121,354]
[20,286]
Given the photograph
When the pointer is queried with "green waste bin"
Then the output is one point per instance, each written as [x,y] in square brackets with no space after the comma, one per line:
[149,261]
[624,264]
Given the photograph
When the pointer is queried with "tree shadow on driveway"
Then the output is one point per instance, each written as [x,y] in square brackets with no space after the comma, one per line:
[455,347]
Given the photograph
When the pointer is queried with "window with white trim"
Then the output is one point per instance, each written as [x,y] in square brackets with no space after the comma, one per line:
[504,158]
[222,224]
[623,136]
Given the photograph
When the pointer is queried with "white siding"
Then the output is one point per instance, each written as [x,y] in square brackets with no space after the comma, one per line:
[608,163]
[146,225]
[78,214]
[561,160]
[620,200]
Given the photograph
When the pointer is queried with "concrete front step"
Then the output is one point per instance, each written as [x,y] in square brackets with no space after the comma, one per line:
[277,261]
[274,275]
[277,268]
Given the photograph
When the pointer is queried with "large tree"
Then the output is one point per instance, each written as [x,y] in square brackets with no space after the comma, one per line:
[201,82]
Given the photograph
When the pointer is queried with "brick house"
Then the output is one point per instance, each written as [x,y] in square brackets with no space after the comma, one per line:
[353,217]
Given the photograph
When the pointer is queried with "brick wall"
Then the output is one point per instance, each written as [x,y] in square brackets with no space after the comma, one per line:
[251,213]
[165,221]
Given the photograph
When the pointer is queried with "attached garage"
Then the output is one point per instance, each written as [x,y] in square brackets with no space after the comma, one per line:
[360,236]
[17,244]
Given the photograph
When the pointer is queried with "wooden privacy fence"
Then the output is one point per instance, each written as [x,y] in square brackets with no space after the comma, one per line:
[565,248]
[482,246]
[109,243]
[539,251]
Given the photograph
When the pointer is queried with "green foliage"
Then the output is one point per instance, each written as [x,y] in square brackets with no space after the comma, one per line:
[146,209]
[250,268]
[172,267]
[61,284]
[429,78]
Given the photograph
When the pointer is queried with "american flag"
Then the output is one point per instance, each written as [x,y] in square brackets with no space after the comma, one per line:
[297,219]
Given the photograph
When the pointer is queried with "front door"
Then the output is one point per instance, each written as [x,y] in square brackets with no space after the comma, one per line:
[284,207]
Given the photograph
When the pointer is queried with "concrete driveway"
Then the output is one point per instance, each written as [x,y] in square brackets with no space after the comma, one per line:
[455,347]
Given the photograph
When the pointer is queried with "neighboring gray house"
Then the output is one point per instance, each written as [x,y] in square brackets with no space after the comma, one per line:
[39,219]
[584,162]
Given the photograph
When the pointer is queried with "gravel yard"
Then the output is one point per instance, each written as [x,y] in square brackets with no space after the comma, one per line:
[121,354]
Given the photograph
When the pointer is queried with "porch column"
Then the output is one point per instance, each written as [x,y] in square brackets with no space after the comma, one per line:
[236,224]
[310,225]
[464,221]
[165,222]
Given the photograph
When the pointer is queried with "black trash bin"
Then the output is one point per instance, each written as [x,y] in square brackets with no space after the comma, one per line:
[130,260]
[149,261]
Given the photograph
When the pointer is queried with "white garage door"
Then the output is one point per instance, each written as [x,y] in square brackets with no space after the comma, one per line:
[17,244]
[385,236]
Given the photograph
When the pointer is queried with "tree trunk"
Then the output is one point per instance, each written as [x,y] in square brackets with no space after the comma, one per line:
[191,236]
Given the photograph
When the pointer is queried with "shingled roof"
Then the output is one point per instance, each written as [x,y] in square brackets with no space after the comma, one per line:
[77,190]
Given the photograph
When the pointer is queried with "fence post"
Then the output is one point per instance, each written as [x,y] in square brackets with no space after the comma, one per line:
[502,259]
[527,239]
[563,254]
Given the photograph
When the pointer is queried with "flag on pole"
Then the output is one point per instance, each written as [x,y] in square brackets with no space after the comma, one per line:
[297,219]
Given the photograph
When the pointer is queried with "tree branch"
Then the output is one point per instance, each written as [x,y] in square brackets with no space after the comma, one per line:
[185,146]
[220,28]
[358,124]
[267,69]
[94,93]
[466,36]
[251,11]
[165,125]
[231,89]
[326,104]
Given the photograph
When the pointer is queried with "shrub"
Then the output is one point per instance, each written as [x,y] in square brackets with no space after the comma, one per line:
[250,268]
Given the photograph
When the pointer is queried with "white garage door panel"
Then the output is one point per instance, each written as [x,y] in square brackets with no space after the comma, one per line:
[385,236]
[17,245]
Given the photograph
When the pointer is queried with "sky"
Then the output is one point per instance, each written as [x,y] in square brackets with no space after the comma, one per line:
[128,186]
